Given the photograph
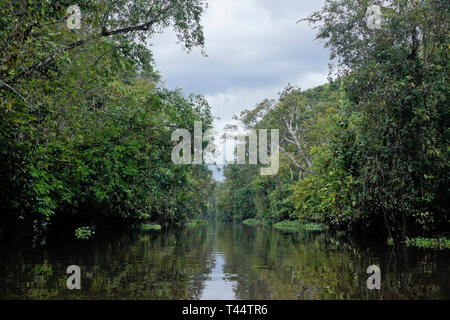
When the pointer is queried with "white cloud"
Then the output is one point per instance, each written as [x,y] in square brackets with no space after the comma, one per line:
[254,47]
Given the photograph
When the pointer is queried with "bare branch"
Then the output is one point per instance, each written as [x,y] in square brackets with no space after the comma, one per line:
[17,93]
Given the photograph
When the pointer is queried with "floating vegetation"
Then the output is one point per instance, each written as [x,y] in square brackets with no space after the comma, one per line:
[252,222]
[197,222]
[294,225]
[148,226]
[428,243]
[287,225]
[84,233]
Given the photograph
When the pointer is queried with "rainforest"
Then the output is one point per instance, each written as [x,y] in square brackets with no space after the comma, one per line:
[86,138]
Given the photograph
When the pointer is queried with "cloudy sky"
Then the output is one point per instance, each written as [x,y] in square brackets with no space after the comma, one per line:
[254,49]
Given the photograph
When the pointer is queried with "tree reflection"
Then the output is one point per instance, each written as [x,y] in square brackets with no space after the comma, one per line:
[258,262]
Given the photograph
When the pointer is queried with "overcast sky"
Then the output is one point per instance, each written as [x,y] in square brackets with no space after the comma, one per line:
[254,49]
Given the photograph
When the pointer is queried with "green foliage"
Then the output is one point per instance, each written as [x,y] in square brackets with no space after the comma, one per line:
[197,222]
[296,225]
[84,233]
[393,146]
[147,227]
[234,194]
[252,222]
[84,122]
[368,152]
[427,243]
[271,199]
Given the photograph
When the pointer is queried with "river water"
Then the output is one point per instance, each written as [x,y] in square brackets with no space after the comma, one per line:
[222,261]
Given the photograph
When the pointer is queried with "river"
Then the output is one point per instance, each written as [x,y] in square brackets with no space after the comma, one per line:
[222,261]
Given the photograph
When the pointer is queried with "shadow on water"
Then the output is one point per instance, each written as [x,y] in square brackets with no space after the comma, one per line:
[223,261]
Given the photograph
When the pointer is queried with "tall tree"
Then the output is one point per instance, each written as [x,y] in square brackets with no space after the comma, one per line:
[396,89]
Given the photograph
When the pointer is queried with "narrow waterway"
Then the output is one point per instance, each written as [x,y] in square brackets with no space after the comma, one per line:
[222,261]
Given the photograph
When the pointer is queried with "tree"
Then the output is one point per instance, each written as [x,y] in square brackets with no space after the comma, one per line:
[396,110]
[84,138]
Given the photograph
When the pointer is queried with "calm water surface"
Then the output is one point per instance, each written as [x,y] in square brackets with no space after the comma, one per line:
[222,261]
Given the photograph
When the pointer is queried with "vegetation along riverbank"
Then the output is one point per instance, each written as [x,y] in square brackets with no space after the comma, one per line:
[86,124]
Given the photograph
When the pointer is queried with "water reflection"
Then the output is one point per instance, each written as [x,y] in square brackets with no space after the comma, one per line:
[222,261]
[219,285]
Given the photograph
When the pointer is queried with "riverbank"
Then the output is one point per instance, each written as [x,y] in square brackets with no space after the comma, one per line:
[253,222]
[197,222]
[192,223]
[441,243]
[426,243]
[287,225]
[148,226]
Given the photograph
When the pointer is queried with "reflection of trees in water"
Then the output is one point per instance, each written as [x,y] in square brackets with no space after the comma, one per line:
[270,264]
[416,274]
[148,266]
[262,263]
